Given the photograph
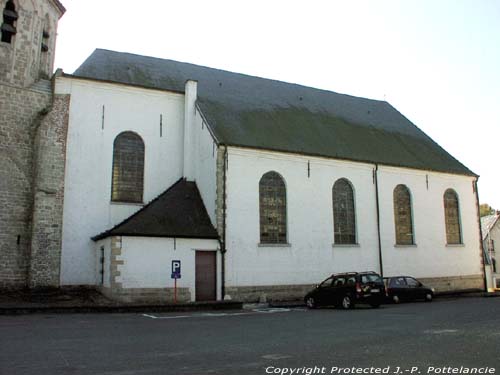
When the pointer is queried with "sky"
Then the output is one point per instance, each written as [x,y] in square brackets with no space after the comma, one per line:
[437,62]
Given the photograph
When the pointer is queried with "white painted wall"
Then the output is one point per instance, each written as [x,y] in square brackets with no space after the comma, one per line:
[310,256]
[191,89]
[87,206]
[431,257]
[148,261]
[205,164]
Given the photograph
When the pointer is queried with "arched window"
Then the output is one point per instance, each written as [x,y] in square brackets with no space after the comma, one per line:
[9,22]
[452,217]
[272,202]
[403,216]
[45,34]
[128,168]
[344,220]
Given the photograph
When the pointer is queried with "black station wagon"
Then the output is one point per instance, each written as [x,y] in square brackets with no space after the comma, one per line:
[348,289]
[406,288]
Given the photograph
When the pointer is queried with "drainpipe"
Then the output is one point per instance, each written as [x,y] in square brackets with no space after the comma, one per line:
[223,244]
[481,245]
[375,179]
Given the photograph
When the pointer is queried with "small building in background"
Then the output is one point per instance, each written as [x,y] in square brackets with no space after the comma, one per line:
[490,227]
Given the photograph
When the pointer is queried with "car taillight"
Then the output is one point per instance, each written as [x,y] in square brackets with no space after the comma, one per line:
[358,288]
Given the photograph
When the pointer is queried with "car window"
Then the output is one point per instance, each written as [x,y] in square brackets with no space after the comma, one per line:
[371,278]
[351,280]
[397,282]
[339,281]
[411,282]
[327,282]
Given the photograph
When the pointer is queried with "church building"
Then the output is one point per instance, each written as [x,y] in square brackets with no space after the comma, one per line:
[257,188]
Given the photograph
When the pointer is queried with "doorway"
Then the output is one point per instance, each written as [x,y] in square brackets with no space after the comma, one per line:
[206,281]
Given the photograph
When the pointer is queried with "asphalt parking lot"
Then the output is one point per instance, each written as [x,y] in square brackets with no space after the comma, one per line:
[460,332]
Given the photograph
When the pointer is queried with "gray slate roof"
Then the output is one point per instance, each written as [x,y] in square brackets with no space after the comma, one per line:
[261,113]
[178,212]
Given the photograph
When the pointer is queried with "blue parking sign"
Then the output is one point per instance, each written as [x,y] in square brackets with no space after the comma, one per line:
[176,269]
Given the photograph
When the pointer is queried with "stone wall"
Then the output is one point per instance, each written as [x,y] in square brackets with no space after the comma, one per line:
[24,100]
[50,157]
[22,62]
[21,111]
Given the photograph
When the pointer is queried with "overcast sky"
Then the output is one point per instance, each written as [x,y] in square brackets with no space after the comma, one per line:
[437,62]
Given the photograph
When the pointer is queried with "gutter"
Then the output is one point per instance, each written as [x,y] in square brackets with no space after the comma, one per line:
[481,244]
[223,242]
[375,180]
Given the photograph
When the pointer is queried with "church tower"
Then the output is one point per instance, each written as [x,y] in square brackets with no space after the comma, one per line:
[27,49]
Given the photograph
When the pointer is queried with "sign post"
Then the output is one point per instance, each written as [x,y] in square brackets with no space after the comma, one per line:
[176,274]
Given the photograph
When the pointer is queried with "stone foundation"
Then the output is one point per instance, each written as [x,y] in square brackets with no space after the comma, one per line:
[268,293]
[147,295]
[447,284]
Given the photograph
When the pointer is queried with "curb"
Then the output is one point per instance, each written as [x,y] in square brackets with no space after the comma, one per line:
[195,306]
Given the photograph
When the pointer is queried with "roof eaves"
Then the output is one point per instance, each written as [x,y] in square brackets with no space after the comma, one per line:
[127,234]
[67,75]
[472,174]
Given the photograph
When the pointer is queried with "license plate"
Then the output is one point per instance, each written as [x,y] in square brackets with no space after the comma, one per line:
[375,290]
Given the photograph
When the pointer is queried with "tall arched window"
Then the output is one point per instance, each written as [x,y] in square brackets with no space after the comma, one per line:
[128,168]
[344,219]
[272,202]
[403,216]
[452,217]
[9,22]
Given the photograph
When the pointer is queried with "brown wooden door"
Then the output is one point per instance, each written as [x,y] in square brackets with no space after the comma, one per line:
[206,276]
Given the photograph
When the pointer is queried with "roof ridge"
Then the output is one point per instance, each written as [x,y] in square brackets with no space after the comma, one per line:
[240,74]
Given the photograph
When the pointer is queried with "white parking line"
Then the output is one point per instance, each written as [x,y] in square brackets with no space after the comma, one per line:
[218,315]
[440,331]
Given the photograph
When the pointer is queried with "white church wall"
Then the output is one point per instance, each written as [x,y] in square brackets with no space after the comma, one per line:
[147,262]
[431,256]
[309,257]
[87,202]
[205,164]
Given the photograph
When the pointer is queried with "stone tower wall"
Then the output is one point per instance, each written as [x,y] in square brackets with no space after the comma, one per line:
[25,99]
[49,163]
[20,114]
[22,62]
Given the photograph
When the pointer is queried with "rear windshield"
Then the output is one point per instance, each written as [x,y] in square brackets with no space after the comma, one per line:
[371,278]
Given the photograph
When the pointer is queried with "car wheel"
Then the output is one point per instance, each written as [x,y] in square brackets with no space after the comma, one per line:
[311,303]
[347,303]
[395,299]
[428,297]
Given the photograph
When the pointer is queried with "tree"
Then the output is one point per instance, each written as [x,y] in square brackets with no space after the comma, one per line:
[485,209]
